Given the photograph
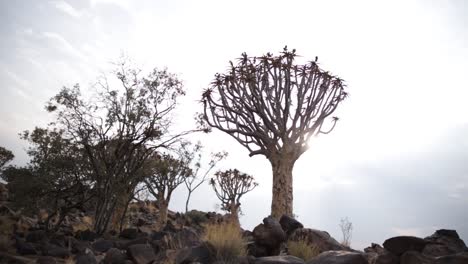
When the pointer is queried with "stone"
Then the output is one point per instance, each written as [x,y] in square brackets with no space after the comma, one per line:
[202,253]
[400,244]
[86,258]
[460,258]
[278,260]
[7,258]
[269,235]
[114,256]
[339,257]
[25,248]
[444,242]
[415,257]
[102,245]
[141,254]
[376,254]
[86,235]
[129,233]
[289,224]
[55,251]
[36,236]
[321,239]
[46,260]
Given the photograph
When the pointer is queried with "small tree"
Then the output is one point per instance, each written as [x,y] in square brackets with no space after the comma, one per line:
[347,230]
[272,107]
[5,157]
[229,187]
[166,174]
[199,175]
[119,128]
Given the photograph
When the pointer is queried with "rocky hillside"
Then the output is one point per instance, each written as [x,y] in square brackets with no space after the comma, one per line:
[24,240]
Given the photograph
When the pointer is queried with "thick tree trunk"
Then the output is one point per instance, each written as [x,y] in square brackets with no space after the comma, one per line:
[282,199]
[234,217]
[162,206]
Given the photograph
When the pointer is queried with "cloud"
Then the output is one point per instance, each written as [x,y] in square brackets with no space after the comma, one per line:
[63,45]
[66,8]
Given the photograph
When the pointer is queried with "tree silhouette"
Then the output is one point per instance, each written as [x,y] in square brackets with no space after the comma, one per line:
[273,107]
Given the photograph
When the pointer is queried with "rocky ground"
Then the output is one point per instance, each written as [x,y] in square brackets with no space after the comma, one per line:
[24,240]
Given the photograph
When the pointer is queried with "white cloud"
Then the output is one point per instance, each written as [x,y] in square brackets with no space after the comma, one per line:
[66,8]
[63,45]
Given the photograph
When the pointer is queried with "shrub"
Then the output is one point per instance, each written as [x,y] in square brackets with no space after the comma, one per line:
[302,249]
[227,241]
[196,217]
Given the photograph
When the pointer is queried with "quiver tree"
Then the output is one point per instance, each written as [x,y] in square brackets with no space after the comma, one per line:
[273,106]
[166,173]
[5,157]
[118,128]
[229,187]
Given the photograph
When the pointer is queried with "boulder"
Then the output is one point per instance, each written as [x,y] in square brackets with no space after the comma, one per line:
[46,260]
[278,260]
[141,253]
[114,256]
[339,257]
[86,258]
[321,239]
[36,236]
[289,224]
[7,258]
[415,257]
[202,253]
[86,235]
[102,245]
[25,248]
[400,244]
[376,254]
[269,235]
[55,251]
[444,242]
[460,258]
[129,233]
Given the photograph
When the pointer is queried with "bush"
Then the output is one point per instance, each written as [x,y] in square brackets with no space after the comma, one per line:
[227,241]
[196,217]
[303,250]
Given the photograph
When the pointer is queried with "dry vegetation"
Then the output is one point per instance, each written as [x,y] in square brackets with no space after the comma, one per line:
[227,241]
[303,250]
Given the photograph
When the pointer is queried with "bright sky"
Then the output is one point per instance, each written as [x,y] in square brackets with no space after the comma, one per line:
[397,162]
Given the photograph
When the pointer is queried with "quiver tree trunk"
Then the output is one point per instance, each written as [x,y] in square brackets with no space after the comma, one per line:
[282,199]
[162,208]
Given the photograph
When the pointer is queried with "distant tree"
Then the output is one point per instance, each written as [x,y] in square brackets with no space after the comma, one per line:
[200,174]
[347,230]
[5,157]
[119,128]
[166,174]
[273,106]
[229,187]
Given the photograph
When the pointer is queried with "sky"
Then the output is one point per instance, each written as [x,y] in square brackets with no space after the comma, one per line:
[396,163]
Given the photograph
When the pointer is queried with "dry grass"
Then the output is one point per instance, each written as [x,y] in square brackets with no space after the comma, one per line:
[227,241]
[303,250]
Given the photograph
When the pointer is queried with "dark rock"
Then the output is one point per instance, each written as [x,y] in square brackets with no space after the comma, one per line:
[279,260]
[127,243]
[46,260]
[257,250]
[86,258]
[321,239]
[86,235]
[9,259]
[289,224]
[202,253]
[158,235]
[114,256]
[339,257]
[55,251]
[102,245]
[269,235]
[400,244]
[36,236]
[444,242]
[141,254]
[25,248]
[187,237]
[129,233]
[376,254]
[460,258]
[415,257]
[78,246]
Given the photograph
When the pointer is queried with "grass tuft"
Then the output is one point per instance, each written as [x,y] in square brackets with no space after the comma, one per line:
[227,240]
[302,249]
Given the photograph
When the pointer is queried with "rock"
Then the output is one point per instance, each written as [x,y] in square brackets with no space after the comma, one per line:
[269,235]
[3,192]
[55,251]
[279,260]
[444,242]
[129,233]
[202,253]
[141,254]
[321,239]
[37,236]
[78,246]
[289,224]
[25,248]
[102,245]
[400,244]
[187,237]
[46,260]
[114,256]
[460,258]
[7,258]
[86,235]
[125,244]
[339,257]
[86,258]
[376,254]
[415,257]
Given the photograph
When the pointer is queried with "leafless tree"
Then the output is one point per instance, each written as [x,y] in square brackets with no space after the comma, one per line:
[273,106]
[119,128]
[229,187]
[200,173]
[166,174]
[347,231]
